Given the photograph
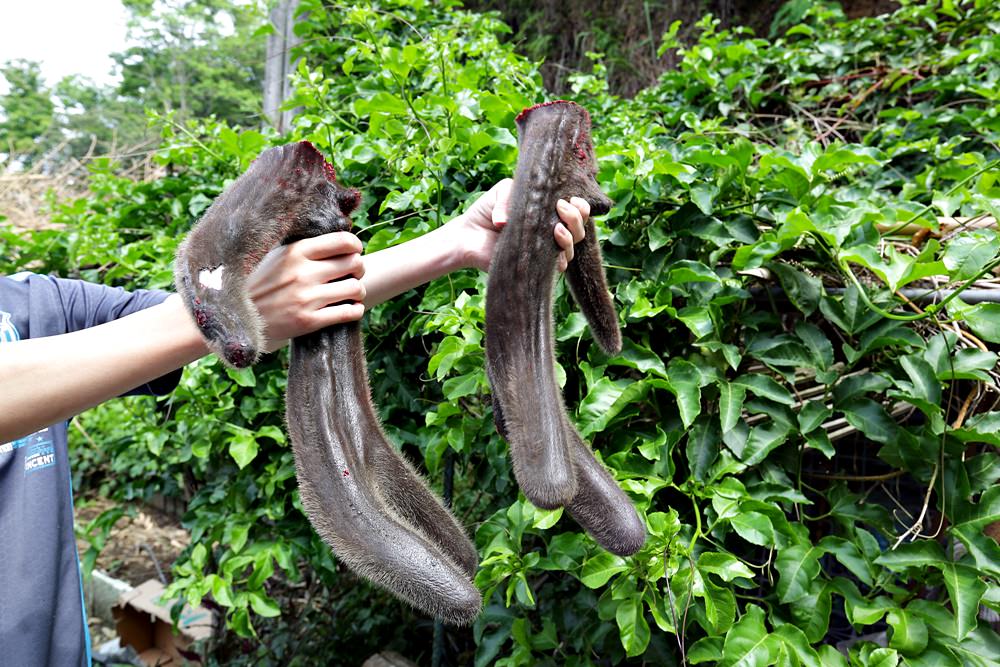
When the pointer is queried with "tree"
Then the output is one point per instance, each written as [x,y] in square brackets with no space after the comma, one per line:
[97,119]
[27,109]
[195,58]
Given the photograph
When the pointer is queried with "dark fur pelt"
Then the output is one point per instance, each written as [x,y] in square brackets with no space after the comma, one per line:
[552,464]
[360,495]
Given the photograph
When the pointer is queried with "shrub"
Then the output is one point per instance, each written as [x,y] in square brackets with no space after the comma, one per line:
[815,455]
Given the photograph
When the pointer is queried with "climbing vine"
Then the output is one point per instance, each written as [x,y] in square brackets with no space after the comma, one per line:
[805,408]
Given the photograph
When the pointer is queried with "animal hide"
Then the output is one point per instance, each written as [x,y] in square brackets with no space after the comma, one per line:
[552,464]
[360,494]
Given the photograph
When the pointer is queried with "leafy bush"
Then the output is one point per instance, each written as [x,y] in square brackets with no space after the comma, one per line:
[815,456]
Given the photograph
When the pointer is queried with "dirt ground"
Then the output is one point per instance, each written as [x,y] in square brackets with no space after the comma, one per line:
[126,554]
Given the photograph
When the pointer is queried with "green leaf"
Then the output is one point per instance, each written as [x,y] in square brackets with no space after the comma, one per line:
[970,519]
[969,252]
[968,364]
[244,377]
[849,555]
[723,565]
[812,613]
[684,382]
[797,650]
[606,400]
[966,590]
[632,627]
[243,448]
[765,387]
[703,195]
[264,606]
[924,380]
[697,319]
[706,649]
[748,643]
[871,419]
[687,271]
[820,441]
[566,551]
[919,553]
[819,345]
[702,447]
[850,313]
[780,351]
[720,604]
[462,385]
[839,156]
[797,567]
[909,632]
[754,527]
[235,535]
[802,289]
[948,204]
[882,657]
[812,415]
[220,590]
[859,384]
[731,398]
[199,555]
[545,519]
[599,569]
[982,318]
[762,440]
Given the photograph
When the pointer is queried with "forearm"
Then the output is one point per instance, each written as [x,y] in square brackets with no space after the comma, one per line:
[402,267]
[47,380]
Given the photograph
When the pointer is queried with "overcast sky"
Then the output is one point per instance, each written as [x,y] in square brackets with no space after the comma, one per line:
[66,36]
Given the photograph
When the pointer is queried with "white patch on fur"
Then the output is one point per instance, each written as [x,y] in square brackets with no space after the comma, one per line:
[211,279]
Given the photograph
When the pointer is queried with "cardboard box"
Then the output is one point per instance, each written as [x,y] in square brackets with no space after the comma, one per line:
[145,625]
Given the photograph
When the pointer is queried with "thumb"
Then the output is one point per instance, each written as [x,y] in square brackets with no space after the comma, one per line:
[502,196]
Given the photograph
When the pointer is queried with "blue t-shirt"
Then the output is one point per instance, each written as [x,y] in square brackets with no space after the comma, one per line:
[42,619]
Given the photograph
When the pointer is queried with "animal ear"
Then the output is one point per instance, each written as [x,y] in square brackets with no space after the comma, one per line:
[348,200]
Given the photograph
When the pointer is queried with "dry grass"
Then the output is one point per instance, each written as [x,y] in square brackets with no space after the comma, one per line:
[26,196]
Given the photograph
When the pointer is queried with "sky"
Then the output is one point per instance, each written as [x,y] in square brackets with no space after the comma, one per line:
[72,37]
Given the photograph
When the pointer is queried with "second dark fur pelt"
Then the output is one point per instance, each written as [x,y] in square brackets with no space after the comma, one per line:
[552,464]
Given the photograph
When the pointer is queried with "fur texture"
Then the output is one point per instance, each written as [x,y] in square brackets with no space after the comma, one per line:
[552,464]
[361,497]
[360,494]
[288,193]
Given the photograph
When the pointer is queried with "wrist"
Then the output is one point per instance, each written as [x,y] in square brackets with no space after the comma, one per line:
[188,339]
[456,244]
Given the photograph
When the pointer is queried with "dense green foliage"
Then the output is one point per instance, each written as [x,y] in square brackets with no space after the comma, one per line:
[188,59]
[197,58]
[27,109]
[815,460]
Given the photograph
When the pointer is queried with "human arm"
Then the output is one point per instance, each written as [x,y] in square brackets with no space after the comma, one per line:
[464,242]
[46,380]
[49,379]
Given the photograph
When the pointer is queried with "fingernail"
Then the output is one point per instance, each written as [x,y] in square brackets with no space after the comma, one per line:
[563,205]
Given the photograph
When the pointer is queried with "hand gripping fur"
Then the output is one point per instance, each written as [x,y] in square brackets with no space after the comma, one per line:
[552,464]
[360,495]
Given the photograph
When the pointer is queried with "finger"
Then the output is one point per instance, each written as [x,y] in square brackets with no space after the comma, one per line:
[339,292]
[341,266]
[583,205]
[499,215]
[562,263]
[329,245]
[345,312]
[564,240]
[572,217]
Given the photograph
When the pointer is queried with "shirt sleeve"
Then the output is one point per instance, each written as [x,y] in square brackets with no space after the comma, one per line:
[51,306]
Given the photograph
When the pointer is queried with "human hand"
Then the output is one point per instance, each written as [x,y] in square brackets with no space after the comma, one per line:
[307,285]
[480,226]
